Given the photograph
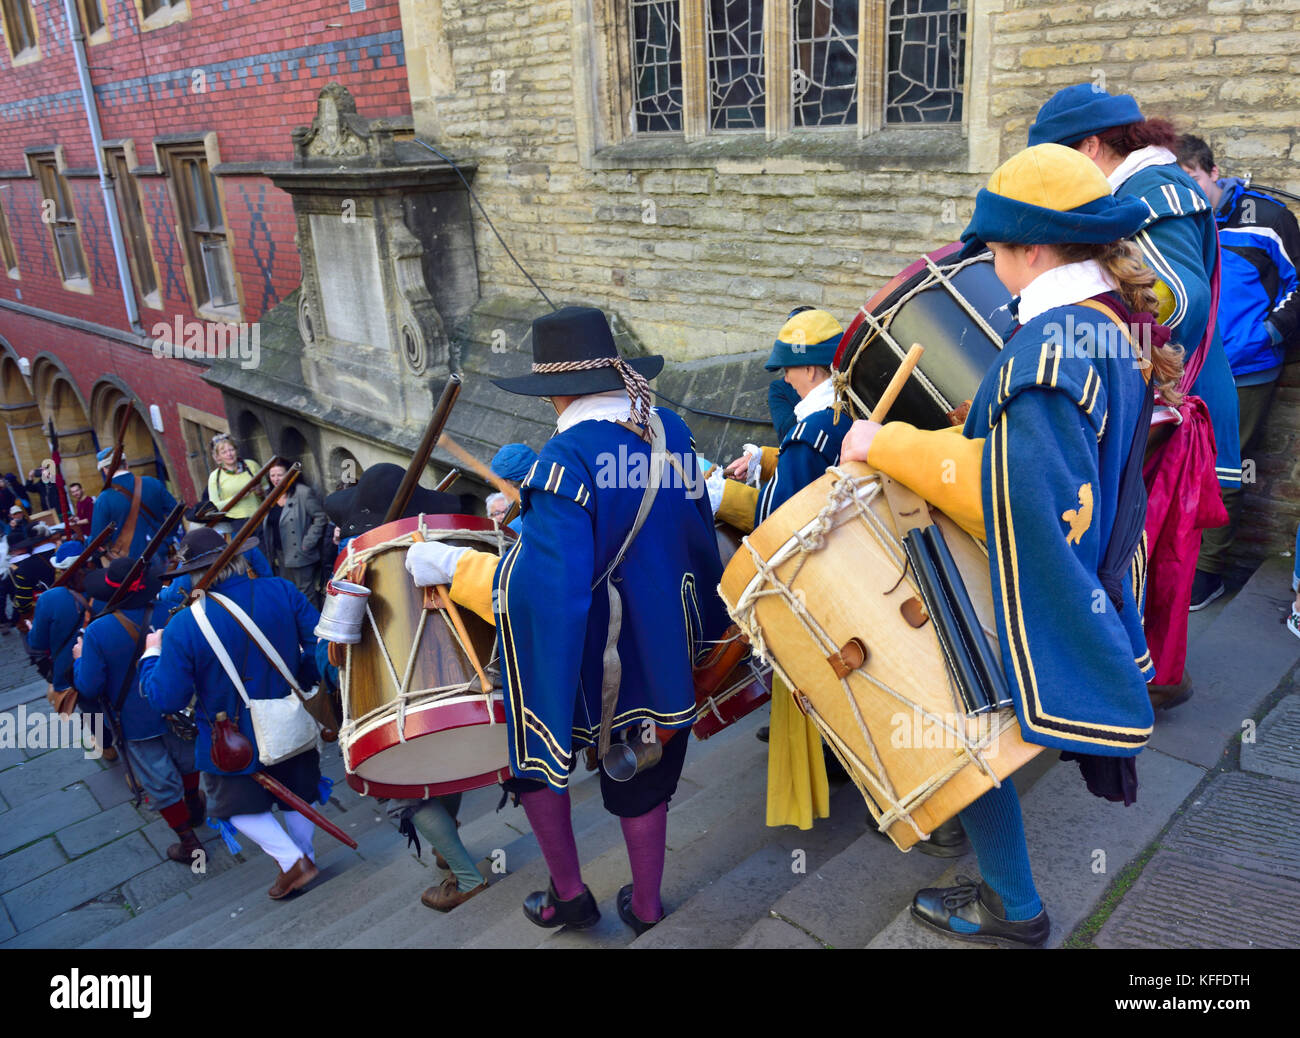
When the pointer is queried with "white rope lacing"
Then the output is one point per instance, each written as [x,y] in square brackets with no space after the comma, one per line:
[849,498]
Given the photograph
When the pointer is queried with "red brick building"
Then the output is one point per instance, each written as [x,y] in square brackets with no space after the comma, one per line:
[196,101]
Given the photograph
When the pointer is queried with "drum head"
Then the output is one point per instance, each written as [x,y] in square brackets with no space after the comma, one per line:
[957,351]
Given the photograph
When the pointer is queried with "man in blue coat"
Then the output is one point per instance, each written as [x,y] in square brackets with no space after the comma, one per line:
[179,663]
[117,504]
[555,593]
[106,673]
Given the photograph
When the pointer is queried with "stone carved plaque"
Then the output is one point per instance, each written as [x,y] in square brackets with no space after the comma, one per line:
[351,286]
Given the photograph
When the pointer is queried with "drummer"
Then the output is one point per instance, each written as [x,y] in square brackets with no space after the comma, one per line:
[554,607]
[1042,473]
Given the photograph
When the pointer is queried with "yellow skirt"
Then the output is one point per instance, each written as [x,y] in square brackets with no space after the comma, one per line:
[797,790]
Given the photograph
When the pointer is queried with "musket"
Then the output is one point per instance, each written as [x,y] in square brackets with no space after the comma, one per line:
[432,432]
[119,740]
[211,510]
[448,480]
[65,504]
[119,446]
[87,553]
[141,565]
[236,542]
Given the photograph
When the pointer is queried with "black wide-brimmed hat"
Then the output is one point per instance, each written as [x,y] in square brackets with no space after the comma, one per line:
[363,506]
[102,584]
[199,549]
[574,355]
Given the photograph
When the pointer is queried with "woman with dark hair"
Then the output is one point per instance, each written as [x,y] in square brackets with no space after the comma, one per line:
[1180,243]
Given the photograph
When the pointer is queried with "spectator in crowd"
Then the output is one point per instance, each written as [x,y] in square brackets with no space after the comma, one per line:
[293,533]
[1259,317]
[497,507]
[230,476]
[42,488]
[83,505]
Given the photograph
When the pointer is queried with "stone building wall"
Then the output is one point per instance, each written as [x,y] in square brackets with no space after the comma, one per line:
[701,248]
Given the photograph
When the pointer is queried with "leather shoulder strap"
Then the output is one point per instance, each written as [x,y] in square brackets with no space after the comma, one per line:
[131,629]
[1102,308]
[122,543]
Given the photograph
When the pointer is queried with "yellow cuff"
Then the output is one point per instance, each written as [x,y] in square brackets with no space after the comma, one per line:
[739,501]
[941,466]
[767,462]
[471,586]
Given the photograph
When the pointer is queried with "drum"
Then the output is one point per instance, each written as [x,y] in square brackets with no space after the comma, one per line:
[423,713]
[957,311]
[823,591]
[730,682]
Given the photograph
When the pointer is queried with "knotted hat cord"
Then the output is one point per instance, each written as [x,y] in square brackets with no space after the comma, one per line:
[636,384]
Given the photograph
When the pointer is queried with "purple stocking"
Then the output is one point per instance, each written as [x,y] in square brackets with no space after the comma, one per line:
[548,814]
[645,837]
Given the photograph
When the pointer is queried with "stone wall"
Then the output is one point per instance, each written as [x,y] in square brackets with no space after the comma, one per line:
[701,248]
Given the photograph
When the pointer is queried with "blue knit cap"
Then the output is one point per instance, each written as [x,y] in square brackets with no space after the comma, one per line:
[809,336]
[513,461]
[1051,195]
[1079,111]
[67,554]
[104,457]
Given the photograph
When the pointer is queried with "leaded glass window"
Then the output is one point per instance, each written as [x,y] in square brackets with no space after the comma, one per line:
[657,65]
[825,75]
[926,57]
[737,88]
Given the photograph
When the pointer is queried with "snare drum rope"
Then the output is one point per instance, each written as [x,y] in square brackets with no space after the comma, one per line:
[404,693]
[853,495]
[880,325]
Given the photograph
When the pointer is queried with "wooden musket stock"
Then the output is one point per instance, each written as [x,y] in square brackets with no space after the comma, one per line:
[87,553]
[119,446]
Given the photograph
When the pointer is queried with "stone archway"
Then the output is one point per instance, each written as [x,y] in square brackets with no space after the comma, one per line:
[144,454]
[58,398]
[251,439]
[343,469]
[24,444]
[294,447]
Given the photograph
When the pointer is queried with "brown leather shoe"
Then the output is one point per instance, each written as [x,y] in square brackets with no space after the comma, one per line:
[1166,697]
[110,754]
[183,852]
[447,895]
[302,873]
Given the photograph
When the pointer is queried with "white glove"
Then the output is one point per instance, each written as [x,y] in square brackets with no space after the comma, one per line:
[432,562]
[755,463]
[715,485]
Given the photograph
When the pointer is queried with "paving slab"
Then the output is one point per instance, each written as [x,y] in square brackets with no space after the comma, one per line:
[45,815]
[12,755]
[1229,682]
[104,828]
[72,929]
[27,692]
[4,805]
[772,934]
[32,861]
[1243,820]
[79,881]
[168,878]
[1184,902]
[1276,748]
[1077,844]
[108,786]
[6,926]
[54,770]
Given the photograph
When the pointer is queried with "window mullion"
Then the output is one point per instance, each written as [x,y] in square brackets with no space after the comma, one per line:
[778,16]
[871,65]
[695,70]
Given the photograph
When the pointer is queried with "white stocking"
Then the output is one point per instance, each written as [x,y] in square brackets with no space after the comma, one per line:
[268,834]
[301,830]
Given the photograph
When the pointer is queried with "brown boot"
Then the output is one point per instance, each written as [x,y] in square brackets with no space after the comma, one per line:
[447,895]
[183,852]
[299,875]
[1166,697]
[110,755]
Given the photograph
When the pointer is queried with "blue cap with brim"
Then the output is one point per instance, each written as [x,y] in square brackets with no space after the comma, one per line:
[1079,111]
[68,552]
[104,457]
[808,336]
[1010,209]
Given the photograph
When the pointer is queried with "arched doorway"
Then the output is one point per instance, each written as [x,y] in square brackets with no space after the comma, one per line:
[251,439]
[344,469]
[60,400]
[23,445]
[294,447]
[143,453]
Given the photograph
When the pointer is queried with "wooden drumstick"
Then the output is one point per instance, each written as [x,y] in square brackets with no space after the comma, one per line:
[442,599]
[896,384]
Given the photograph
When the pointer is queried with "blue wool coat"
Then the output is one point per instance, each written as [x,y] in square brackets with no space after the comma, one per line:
[1058,430]
[187,664]
[107,652]
[112,507]
[178,590]
[55,622]
[578,503]
[807,450]
[1180,244]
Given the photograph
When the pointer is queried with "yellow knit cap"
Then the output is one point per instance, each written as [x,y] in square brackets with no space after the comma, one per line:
[1050,176]
[809,327]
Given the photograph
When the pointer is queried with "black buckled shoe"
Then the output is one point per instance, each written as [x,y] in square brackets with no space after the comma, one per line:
[638,925]
[579,913]
[972,911]
[948,841]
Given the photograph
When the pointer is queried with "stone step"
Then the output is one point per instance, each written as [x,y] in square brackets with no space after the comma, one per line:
[723,908]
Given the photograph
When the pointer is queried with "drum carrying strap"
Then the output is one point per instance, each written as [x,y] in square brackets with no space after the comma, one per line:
[611,664]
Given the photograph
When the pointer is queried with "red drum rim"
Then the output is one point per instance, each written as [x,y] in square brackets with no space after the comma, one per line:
[432,521]
[908,272]
[465,712]
[740,704]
